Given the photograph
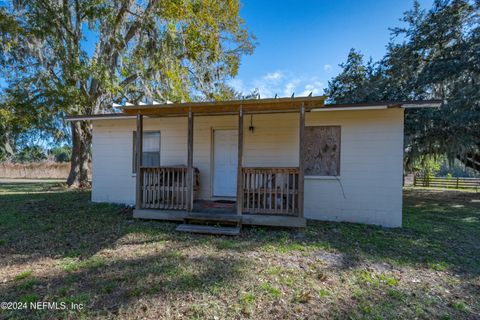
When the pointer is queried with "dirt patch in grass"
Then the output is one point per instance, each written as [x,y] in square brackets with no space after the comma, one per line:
[58,246]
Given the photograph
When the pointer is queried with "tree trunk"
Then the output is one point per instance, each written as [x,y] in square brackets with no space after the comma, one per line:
[81,139]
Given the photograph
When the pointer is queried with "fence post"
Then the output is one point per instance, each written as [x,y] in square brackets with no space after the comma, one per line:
[457,182]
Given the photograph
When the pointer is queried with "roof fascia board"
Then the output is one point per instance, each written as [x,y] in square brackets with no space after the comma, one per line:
[349,108]
[71,119]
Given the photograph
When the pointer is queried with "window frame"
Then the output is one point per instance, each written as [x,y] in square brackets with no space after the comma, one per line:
[134,148]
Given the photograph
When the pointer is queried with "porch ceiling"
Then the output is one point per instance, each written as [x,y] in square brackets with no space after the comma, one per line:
[228,107]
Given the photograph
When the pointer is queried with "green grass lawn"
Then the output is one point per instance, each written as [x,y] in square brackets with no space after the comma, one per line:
[57,246]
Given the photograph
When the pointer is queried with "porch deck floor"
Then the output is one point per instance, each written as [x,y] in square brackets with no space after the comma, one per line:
[246,219]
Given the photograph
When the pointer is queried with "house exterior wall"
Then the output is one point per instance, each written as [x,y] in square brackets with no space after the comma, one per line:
[368,190]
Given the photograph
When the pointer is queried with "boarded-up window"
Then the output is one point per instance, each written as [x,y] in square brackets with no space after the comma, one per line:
[322,151]
[151,150]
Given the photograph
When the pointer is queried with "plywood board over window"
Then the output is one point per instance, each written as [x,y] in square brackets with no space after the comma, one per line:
[322,150]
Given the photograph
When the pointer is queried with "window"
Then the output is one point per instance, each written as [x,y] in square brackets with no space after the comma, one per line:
[151,150]
[322,151]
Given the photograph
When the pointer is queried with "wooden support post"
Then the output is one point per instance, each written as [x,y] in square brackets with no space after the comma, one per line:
[190,182]
[139,152]
[239,163]
[301,161]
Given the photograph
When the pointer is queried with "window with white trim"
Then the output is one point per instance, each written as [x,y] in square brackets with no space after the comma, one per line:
[151,149]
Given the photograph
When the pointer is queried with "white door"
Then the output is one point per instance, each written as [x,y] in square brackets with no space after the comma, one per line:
[225,158]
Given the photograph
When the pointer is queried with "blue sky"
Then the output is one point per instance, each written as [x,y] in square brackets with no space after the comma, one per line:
[301,43]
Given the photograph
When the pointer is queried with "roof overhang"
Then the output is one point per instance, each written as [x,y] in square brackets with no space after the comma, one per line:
[380,105]
[254,106]
[275,105]
[111,116]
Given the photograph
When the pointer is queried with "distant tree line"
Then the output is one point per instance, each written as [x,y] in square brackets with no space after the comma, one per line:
[36,153]
[441,166]
[435,56]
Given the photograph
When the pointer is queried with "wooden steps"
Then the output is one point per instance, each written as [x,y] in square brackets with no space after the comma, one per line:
[209,229]
[214,218]
[208,223]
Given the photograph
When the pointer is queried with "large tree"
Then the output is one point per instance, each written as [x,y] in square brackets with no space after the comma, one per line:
[79,56]
[437,56]
[358,81]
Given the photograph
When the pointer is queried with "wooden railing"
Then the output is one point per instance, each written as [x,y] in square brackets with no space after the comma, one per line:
[165,188]
[270,191]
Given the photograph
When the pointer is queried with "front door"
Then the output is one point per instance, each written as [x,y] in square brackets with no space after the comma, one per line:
[225,158]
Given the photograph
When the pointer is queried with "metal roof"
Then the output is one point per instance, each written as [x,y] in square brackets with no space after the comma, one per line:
[276,105]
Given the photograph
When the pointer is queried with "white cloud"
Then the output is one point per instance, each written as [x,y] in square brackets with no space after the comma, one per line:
[280,83]
[273,76]
[327,67]
[316,88]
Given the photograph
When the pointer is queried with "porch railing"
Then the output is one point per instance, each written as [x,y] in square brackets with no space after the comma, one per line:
[270,191]
[164,188]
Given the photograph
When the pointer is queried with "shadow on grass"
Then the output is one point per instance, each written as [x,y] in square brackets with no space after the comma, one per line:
[441,232]
[36,224]
[167,275]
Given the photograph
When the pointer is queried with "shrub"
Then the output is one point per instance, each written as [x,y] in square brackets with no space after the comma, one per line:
[62,153]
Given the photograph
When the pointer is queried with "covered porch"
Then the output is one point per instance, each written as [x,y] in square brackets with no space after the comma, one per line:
[271,195]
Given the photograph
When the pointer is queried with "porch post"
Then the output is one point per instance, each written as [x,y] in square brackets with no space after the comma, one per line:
[138,155]
[190,182]
[301,160]
[239,163]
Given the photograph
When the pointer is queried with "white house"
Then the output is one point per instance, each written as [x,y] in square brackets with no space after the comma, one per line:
[273,161]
